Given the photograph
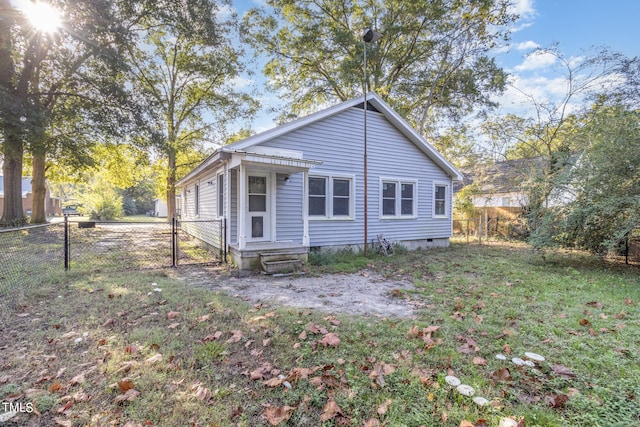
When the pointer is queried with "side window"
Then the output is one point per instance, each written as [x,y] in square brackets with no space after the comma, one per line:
[440,200]
[317,196]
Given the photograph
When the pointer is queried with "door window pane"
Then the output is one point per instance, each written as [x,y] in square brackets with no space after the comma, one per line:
[257,185]
[257,203]
[257,226]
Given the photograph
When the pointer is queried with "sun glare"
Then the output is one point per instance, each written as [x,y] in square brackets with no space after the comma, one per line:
[42,16]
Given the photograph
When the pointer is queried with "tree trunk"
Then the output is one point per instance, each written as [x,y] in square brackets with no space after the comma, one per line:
[12,171]
[171,186]
[39,188]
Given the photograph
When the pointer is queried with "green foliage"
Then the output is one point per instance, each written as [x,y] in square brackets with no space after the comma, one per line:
[103,201]
[433,56]
[210,352]
[605,182]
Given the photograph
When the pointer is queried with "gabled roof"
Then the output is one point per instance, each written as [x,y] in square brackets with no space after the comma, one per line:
[372,99]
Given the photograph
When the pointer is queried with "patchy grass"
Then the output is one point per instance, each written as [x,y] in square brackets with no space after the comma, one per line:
[109,349]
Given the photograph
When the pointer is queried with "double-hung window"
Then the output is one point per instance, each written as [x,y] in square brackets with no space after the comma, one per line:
[440,200]
[398,198]
[330,197]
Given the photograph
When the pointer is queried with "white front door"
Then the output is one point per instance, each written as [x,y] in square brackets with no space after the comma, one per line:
[258,216]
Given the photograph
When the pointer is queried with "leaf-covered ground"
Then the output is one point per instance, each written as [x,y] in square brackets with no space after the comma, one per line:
[145,349]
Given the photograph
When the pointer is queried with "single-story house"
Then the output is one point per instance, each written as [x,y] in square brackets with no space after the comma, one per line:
[300,186]
[53,205]
[502,188]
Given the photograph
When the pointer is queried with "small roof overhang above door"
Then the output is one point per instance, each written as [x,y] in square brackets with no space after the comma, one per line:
[277,160]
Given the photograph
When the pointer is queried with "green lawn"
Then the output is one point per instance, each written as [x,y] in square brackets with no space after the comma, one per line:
[184,356]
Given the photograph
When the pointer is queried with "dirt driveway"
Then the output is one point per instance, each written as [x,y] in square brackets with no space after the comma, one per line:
[363,293]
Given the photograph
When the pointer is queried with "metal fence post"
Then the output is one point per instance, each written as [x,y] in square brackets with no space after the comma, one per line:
[174,243]
[66,242]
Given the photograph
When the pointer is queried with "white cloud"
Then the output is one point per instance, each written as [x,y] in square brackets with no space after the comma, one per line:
[528,45]
[225,12]
[523,8]
[241,82]
[537,60]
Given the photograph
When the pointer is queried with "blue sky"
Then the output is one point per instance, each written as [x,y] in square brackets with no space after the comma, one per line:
[575,25]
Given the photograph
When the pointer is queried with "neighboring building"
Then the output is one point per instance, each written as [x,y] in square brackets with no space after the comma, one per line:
[160,208]
[502,188]
[300,185]
[53,205]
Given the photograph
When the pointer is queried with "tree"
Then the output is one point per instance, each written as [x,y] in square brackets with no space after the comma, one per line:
[184,72]
[606,185]
[62,82]
[433,56]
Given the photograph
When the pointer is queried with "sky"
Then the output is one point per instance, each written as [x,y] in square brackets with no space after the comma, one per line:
[575,25]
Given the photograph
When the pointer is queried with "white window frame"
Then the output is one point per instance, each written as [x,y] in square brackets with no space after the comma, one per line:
[220,194]
[447,199]
[398,198]
[196,199]
[329,178]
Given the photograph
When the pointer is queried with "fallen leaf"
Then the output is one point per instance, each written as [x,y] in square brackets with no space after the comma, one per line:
[277,414]
[382,409]
[129,396]
[466,423]
[173,325]
[125,385]
[203,318]
[331,339]
[273,382]
[563,371]
[172,315]
[200,392]
[501,375]
[236,336]
[372,422]
[331,409]
[154,359]
[556,400]
[213,337]
[62,422]
[479,361]
[584,322]
[55,386]
[78,379]
[595,304]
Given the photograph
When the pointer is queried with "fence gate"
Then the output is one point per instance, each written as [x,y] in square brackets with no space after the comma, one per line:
[109,245]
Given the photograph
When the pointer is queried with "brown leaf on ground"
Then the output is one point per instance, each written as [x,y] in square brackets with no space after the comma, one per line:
[212,337]
[556,400]
[563,371]
[382,409]
[277,414]
[200,392]
[172,315]
[129,396]
[595,304]
[372,422]
[584,322]
[78,379]
[55,387]
[62,422]
[125,385]
[466,423]
[236,336]
[479,361]
[501,375]
[173,325]
[331,409]
[154,359]
[203,318]
[273,382]
[331,339]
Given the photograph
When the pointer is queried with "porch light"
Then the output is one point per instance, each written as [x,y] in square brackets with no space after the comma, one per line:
[370,36]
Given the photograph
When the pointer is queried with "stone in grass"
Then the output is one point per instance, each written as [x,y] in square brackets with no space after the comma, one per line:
[480,401]
[452,381]
[518,361]
[535,357]
[501,356]
[465,390]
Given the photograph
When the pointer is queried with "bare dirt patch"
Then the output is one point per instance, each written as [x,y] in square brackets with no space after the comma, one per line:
[363,293]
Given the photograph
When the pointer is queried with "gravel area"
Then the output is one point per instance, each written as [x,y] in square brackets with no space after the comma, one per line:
[363,293]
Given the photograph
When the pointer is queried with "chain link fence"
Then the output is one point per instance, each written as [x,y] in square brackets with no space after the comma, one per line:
[28,256]
[478,229]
